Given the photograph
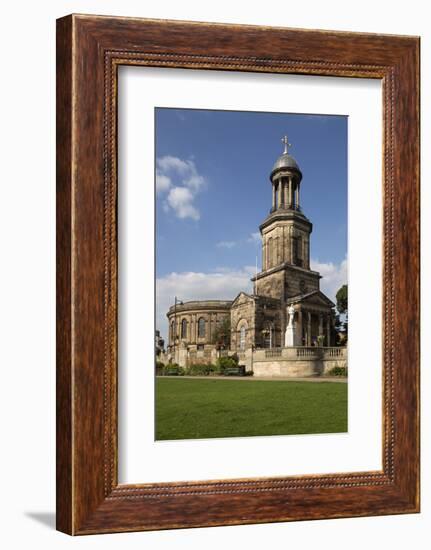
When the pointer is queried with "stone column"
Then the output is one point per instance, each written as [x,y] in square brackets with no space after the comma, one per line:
[308,328]
[320,324]
[280,188]
[196,328]
[299,328]
[290,192]
[297,195]
[328,330]
[273,195]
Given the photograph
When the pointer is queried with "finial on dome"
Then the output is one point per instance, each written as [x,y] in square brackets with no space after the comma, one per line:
[286,143]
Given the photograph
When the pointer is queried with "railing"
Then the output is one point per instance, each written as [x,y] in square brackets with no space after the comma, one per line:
[308,352]
[334,352]
[273,352]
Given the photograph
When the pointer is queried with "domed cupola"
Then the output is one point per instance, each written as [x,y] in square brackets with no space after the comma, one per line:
[286,179]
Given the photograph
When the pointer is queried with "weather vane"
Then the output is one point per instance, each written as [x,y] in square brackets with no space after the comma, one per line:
[286,143]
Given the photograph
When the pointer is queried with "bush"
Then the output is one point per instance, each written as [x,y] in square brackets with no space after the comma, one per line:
[200,369]
[169,369]
[338,371]
[160,367]
[224,363]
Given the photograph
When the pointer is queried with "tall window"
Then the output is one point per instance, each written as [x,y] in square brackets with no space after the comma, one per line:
[183,328]
[270,253]
[242,337]
[297,252]
[201,327]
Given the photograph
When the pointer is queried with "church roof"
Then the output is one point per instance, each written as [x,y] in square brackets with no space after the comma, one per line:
[285,161]
[308,295]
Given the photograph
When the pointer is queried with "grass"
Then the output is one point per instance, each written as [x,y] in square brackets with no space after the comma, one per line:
[194,409]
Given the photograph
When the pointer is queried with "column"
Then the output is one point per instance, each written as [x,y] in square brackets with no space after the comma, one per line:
[308,328]
[280,188]
[298,204]
[196,328]
[328,330]
[273,196]
[290,192]
[299,328]
[320,324]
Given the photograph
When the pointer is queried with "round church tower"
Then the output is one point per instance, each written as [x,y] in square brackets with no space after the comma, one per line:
[286,231]
[286,180]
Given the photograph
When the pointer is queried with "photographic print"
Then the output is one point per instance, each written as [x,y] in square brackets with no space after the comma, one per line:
[251,274]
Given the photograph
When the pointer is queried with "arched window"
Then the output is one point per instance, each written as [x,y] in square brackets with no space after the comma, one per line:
[242,337]
[201,328]
[183,328]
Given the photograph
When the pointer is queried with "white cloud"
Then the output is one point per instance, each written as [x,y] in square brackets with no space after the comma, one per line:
[255,238]
[180,199]
[333,276]
[163,182]
[181,181]
[226,244]
[221,284]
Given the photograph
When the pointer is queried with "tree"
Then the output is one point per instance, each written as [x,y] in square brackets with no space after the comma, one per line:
[342,307]
[221,335]
[341,298]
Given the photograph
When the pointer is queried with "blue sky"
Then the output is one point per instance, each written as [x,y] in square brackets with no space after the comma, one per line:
[213,191]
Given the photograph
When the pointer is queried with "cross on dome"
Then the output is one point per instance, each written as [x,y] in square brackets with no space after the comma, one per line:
[286,143]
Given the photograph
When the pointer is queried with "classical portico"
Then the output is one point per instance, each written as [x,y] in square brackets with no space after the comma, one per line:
[312,319]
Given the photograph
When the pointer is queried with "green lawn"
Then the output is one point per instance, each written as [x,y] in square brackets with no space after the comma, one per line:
[191,409]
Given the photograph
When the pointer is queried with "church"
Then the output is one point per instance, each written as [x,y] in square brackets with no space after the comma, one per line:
[286,309]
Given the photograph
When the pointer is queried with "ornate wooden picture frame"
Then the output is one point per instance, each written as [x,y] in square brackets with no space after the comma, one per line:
[89,51]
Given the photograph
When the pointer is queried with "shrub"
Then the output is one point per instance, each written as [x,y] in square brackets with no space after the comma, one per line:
[338,371]
[160,367]
[169,369]
[200,369]
[224,363]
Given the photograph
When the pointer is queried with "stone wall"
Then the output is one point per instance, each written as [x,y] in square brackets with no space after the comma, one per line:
[187,316]
[271,285]
[242,315]
[297,362]
[286,281]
